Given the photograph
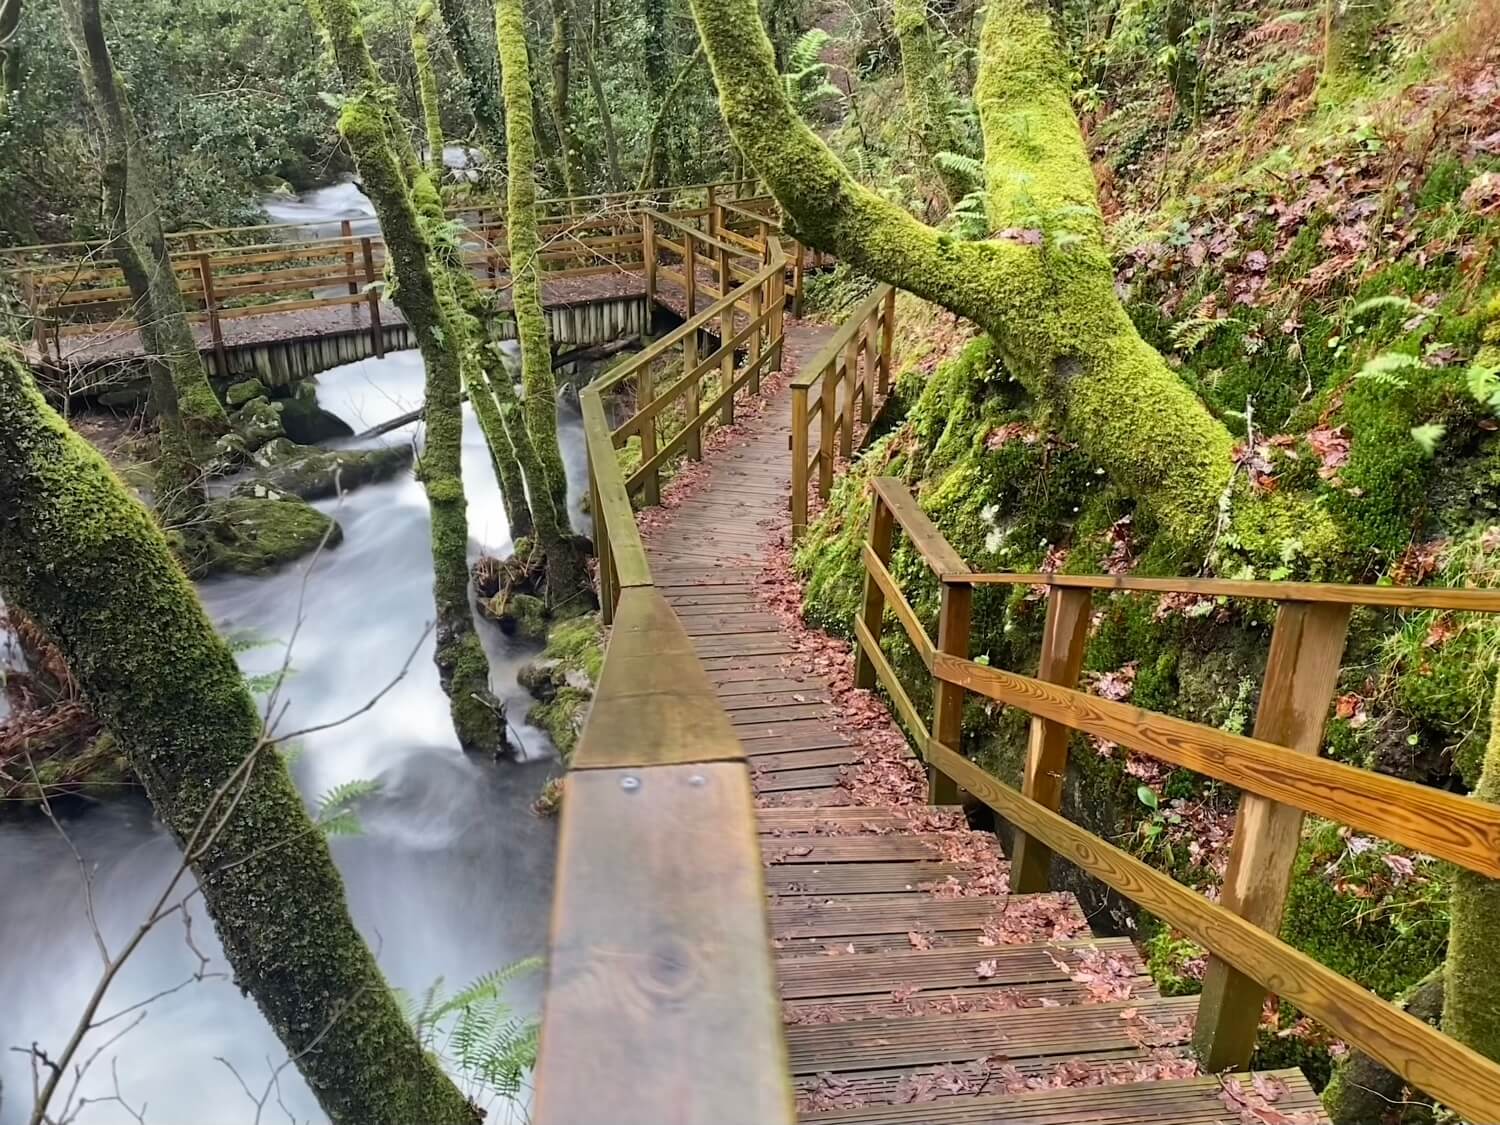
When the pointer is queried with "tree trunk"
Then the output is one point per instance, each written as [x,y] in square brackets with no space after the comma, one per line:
[656,60]
[649,177]
[480,82]
[560,59]
[189,413]
[606,119]
[1362,1091]
[85,561]
[927,93]
[427,92]
[1471,1008]
[384,163]
[1044,290]
[566,575]
[1349,28]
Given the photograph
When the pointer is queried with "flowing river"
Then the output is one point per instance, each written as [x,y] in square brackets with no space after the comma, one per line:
[450,877]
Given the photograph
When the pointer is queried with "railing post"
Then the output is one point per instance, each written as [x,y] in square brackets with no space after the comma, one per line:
[721,267]
[691,395]
[799,462]
[827,418]
[346,232]
[601,548]
[850,381]
[756,349]
[645,394]
[799,269]
[872,611]
[726,364]
[377,332]
[887,341]
[1302,669]
[1063,642]
[211,305]
[778,316]
[648,254]
[867,338]
[954,613]
[714,220]
[690,273]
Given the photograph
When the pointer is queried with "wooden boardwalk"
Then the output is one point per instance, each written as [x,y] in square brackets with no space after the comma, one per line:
[914,987]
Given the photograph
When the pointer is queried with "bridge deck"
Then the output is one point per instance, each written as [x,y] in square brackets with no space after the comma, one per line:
[914,987]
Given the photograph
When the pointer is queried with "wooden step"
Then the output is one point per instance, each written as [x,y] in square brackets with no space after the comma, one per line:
[841,821]
[1181,1101]
[903,1002]
[857,878]
[891,848]
[1108,959]
[844,915]
[907,1043]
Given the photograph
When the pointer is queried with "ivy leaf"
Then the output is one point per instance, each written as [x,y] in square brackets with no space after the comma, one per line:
[1427,436]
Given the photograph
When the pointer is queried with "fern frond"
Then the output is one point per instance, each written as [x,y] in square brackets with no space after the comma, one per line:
[1188,335]
[1386,368]
[1384,304]
[806,49]
[960,164]
[335,812]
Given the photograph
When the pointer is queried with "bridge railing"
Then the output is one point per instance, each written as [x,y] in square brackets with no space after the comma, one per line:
[852,371]
[661,1000]
[670,392]
[1277,770]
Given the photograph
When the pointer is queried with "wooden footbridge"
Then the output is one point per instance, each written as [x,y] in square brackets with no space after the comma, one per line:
[269,301]
[770,905]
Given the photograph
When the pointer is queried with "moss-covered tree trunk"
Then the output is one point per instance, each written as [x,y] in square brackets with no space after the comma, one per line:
[927,93]
[650,176]
[1363,1091]
[657,63]
[476,67]
[567,578]
[384,163]
[427,92]
[1349,31]
[1043,289]
[1471,1005]
[85,561]
[189,413]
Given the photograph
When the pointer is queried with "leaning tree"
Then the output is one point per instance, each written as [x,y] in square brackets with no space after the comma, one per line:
[1042,286]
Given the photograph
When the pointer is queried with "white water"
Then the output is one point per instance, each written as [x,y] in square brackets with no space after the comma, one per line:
[451,877]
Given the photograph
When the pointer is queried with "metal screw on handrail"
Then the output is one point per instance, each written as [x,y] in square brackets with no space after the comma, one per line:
[630,783]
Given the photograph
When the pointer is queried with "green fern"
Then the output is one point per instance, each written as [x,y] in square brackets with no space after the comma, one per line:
[1190,334]
[805,51]
[1388,303]
[960,164]
[1386,369]
[335,812]
[1484,384]
[478,1033]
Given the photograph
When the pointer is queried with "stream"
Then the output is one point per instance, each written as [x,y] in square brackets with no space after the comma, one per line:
[450,877]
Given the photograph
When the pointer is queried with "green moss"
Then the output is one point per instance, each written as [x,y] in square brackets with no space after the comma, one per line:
[240,393]
[250,535]
[562,717]
[314,473]
[577,644]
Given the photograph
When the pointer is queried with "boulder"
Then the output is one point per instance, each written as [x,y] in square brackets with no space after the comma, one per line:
[240,393]
[250,535]
[258,421]
[314,474]
[524,616]
[307,423]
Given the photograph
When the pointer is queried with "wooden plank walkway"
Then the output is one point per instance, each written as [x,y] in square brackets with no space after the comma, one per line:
[914,987]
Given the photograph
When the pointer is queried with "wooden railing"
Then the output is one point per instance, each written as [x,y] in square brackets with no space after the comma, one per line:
[853,370]
[661,1000]
[662,385]
[72,288]
[1277,770]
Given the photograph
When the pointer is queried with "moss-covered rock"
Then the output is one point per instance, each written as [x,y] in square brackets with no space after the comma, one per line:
[562,680]
[250,535]
[238,394]
[315,474]
[258,422]
[307,423]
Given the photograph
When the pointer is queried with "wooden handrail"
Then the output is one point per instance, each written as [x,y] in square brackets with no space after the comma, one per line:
[660,978]
[1277,770]
[842,383]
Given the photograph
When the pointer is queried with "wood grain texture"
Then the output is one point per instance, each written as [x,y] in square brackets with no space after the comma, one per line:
[1455,828]
[628,556]
[660,995]
[1424,1056]
[653,704]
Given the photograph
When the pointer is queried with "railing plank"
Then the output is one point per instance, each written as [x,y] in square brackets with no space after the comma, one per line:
[896,602]
[661,1000]
[941,558]
[1425,1057]
[654,705]
[1394,597]
[869,649]
[1465,831]
[628,558]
